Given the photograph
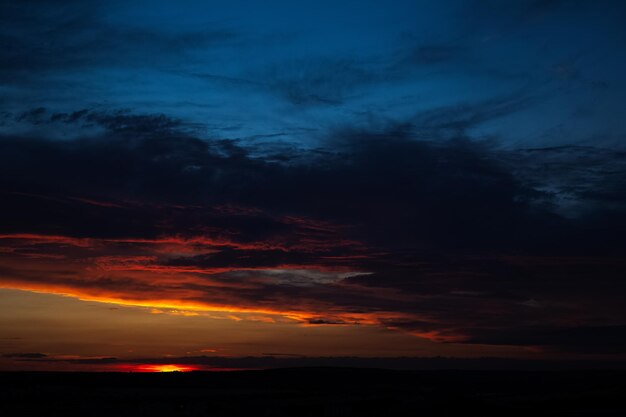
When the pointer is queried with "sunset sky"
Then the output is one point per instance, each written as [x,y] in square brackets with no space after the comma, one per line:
[201,182]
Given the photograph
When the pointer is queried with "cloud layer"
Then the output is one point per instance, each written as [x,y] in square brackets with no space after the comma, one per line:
[454,240]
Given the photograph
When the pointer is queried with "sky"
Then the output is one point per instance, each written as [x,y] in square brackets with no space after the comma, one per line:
[235,184]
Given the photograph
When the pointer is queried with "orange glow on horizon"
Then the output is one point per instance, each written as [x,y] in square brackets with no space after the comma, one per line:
[187,308]
[134,275]
[153,303]
[163,368]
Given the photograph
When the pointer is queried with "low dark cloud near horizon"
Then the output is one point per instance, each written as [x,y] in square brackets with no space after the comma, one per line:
[287,361]
[26,356]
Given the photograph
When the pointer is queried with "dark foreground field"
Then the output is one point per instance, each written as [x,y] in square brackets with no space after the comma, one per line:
[315,392]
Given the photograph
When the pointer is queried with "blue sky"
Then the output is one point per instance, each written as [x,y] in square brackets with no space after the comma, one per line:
[540,73]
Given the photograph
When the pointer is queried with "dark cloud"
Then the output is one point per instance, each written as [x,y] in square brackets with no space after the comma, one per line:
[455,121]
[371,176]
[246,259]
[585,339]
[25,355]
[581,178]
[280,360]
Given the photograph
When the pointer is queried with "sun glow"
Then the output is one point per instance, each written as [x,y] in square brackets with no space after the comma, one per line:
[164,368]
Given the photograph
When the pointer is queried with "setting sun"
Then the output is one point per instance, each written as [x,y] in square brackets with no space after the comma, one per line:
[164,368]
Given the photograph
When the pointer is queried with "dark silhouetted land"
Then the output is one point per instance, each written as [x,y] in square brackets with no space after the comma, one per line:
[316,392]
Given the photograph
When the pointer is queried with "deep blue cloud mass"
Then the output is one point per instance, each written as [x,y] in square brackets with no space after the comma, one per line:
[471,173]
